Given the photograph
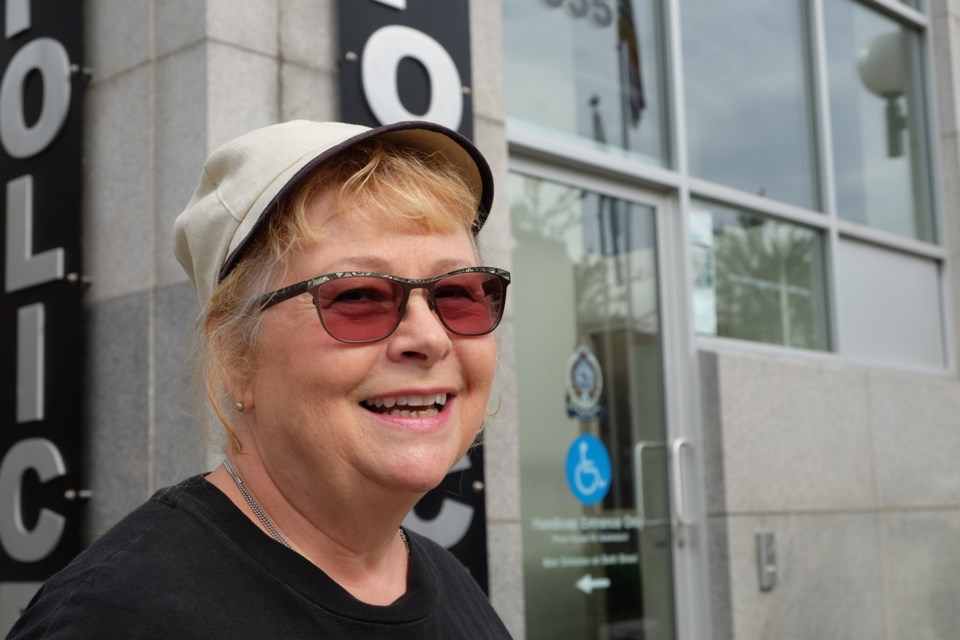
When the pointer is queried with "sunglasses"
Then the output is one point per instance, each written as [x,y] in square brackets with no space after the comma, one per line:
[362,306]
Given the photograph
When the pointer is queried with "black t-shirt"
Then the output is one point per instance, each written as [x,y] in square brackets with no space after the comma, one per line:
[189,564]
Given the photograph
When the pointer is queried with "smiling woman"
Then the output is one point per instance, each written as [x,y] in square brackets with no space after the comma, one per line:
[346,346]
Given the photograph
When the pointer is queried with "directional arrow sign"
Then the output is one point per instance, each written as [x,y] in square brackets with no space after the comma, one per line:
[588,583]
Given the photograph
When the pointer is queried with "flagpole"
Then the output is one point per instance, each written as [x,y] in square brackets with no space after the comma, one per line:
[624,56]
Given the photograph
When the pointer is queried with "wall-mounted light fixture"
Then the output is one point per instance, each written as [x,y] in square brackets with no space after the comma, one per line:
[882,70]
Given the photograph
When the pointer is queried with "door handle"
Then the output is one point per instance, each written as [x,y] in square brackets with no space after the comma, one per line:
[682,517]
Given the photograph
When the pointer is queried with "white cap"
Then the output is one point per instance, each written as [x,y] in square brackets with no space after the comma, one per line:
[244,180]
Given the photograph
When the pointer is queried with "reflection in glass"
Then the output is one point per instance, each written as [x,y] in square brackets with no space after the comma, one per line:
[588,72]
[748,97]
[757,279]
[877,119]
[587,316]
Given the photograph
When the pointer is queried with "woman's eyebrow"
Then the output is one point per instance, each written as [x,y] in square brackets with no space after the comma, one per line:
[378,264]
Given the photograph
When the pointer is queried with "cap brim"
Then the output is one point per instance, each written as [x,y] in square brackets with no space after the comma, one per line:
[427,136]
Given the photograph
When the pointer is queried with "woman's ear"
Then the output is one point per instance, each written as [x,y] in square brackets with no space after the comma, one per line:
[240,391]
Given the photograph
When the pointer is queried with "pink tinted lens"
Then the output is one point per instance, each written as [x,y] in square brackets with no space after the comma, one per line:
[469,303]
[359,308]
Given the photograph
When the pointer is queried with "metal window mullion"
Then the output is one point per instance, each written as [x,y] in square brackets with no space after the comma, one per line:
[821,106]
[826,173]
[681,370]
[889,240]
[930,91]
[675,80]
[558,151]
[752,202]
[899,10]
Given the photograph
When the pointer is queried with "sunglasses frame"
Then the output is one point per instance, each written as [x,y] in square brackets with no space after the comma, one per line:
[407,284]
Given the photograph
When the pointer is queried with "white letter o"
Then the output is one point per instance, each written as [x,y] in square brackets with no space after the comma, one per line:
[47,56]
[382,54]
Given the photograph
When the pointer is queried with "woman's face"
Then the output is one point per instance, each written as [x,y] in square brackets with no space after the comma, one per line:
[316,416]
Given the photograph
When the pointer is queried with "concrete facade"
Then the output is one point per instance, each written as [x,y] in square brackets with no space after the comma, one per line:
[853,469]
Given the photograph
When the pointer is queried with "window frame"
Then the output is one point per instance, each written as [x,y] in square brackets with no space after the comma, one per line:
[678,183]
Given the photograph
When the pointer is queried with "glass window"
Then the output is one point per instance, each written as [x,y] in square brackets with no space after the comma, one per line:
[890,307]
[877,119]
[748,97]
[589,71]
[757,278]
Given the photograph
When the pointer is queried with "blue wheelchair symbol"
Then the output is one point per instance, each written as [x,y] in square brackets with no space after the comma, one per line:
[588,469]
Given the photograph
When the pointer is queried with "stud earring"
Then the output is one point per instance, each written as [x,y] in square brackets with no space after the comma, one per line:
[239,406]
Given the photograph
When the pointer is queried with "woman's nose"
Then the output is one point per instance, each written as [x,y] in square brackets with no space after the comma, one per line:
[420,335]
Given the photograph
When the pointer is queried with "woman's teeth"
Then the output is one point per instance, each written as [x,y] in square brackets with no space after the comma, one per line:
[408,406]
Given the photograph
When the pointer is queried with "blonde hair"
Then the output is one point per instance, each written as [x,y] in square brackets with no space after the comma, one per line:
[390,186]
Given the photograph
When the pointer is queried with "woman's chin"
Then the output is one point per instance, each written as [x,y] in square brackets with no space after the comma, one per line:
[423,461]
[421,482]
[419,475]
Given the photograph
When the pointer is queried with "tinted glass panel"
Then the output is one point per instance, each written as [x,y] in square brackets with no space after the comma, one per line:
[890,310]
[877,117]
[588,72]
[756,278]
[748,89]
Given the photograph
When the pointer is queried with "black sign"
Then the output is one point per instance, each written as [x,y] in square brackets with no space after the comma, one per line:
[454,515]
[41,313]
[410,60]
[406,60]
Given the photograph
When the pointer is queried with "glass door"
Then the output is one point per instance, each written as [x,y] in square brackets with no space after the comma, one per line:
[599,531]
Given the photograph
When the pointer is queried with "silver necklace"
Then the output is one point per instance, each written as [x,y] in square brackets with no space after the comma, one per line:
[257,511]
[267,523]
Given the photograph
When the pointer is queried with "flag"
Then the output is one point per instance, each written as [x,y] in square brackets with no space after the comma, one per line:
[630,49]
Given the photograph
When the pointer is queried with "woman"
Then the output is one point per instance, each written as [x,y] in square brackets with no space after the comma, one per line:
[346,347]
